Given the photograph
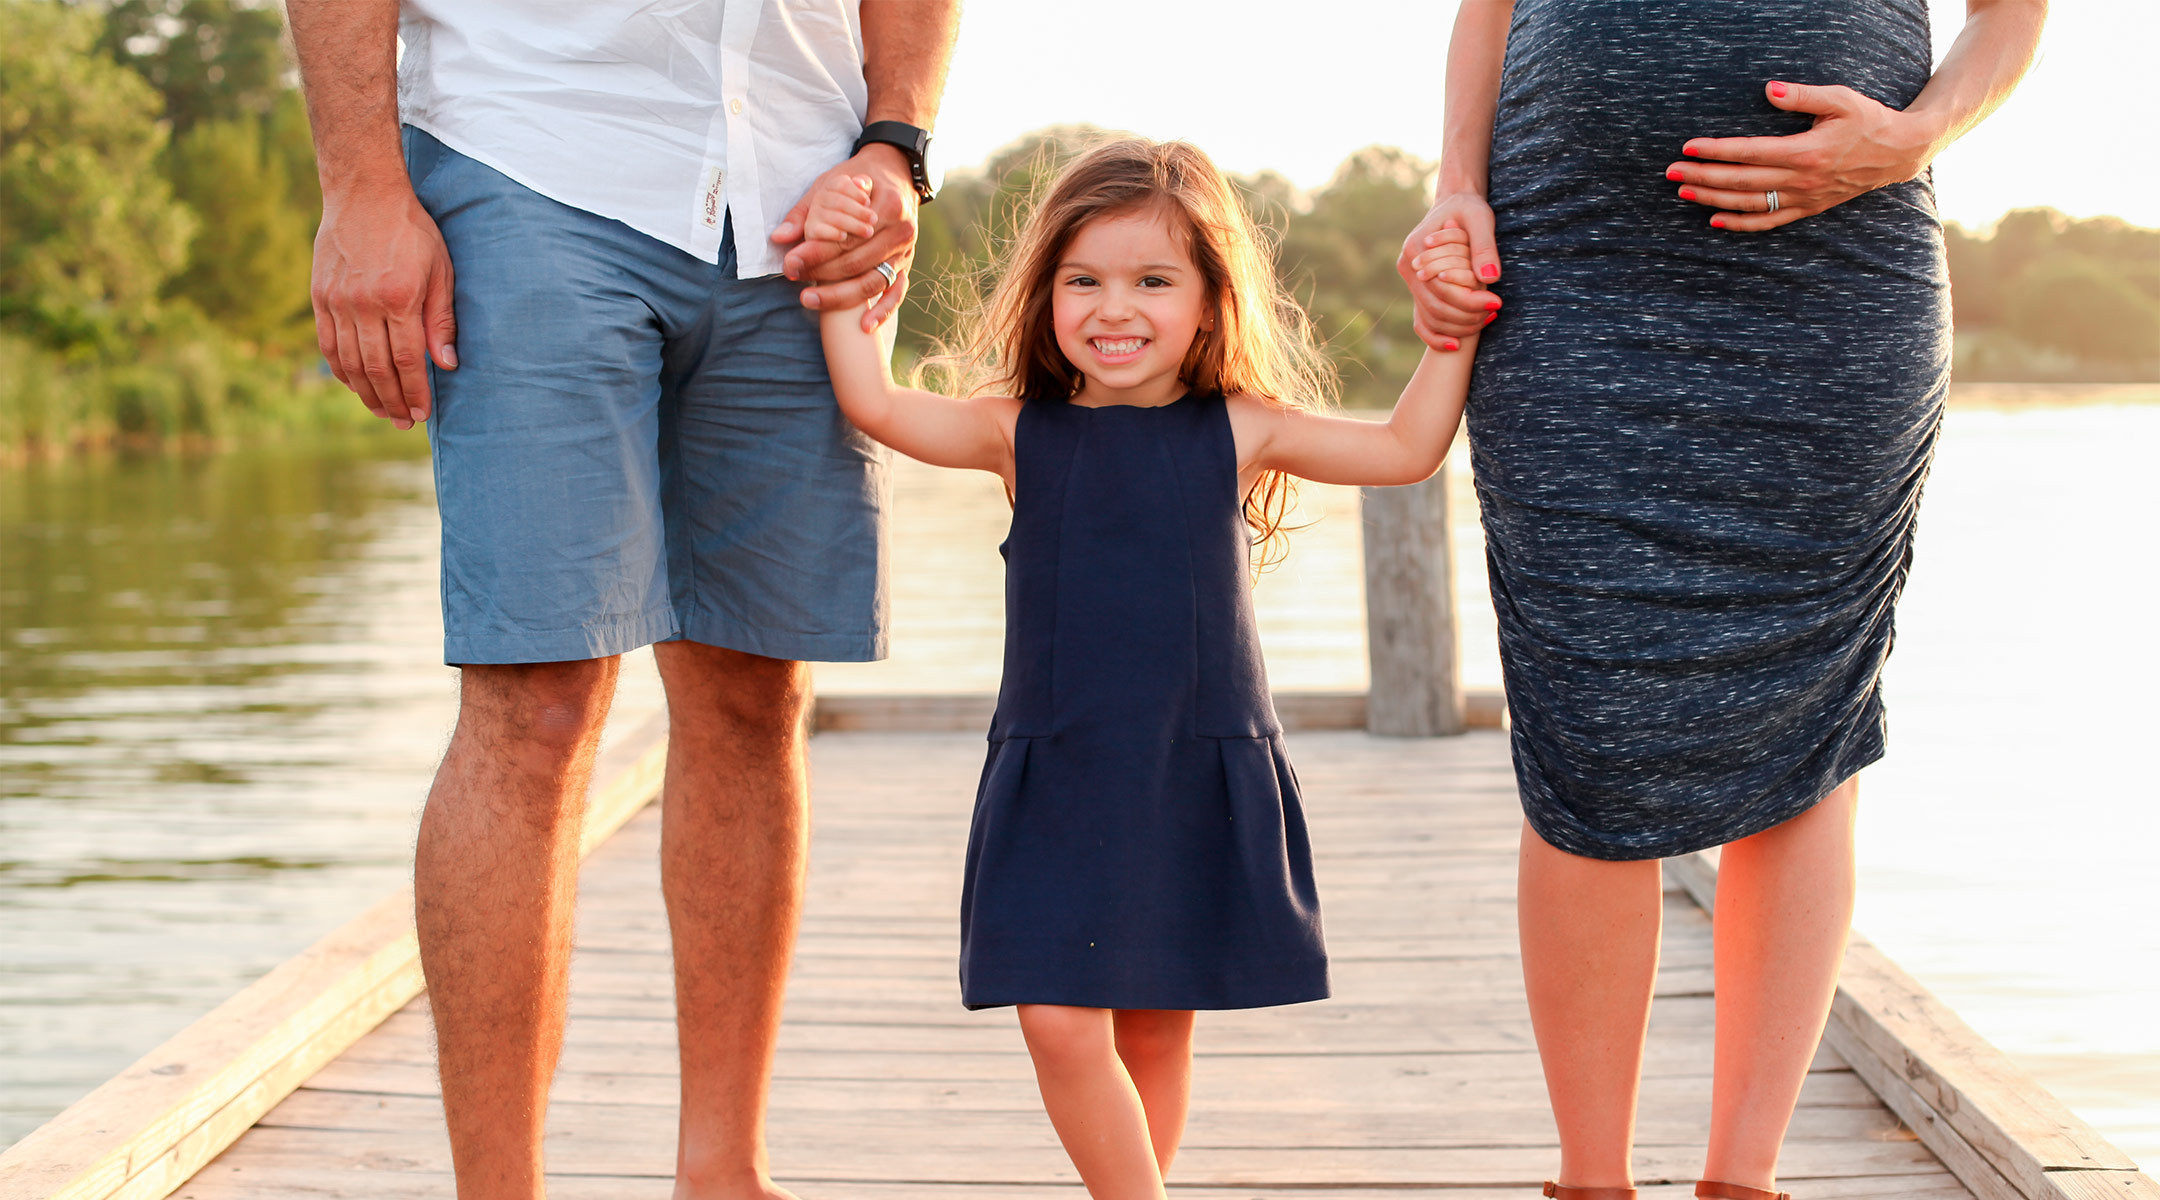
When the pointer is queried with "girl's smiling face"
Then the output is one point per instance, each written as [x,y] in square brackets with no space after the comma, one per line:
[1126,304]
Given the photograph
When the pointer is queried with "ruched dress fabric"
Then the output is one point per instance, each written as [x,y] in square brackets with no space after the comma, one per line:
[1699,452]
[1138,840]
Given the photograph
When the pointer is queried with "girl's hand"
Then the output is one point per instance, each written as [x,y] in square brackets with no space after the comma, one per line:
[1856,146]
[1448,311]
[840,209]
[1446,261]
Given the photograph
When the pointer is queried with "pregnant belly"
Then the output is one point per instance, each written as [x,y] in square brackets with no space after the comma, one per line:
[1595,90]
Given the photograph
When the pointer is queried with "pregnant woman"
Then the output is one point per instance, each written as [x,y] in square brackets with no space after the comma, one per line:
[1699,435]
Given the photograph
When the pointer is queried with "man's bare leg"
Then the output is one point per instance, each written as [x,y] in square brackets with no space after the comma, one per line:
[495,887]
[734,839]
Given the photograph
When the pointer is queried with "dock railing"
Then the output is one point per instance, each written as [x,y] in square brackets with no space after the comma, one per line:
[147,1130]
[1998,1130]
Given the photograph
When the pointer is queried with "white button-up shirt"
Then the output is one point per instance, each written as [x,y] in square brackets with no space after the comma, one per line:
[667,115]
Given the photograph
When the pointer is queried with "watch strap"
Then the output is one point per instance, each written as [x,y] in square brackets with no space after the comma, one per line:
[912,141]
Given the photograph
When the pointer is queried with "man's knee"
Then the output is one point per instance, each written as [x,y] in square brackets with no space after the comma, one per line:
[733,695]
[552,708]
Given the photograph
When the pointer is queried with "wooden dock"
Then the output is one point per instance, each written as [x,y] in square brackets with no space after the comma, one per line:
[1419,1079]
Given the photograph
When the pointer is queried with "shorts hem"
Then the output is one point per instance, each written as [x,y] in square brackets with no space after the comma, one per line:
[786,644]
[603,640]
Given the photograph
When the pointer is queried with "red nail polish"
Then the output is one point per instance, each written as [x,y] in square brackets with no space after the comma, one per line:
[1489,271]
[1778,90]
[1718,221]
[1687,193]
[1491,317]
[1673,173]
[1451,344]
[1492,306]
[1690,151]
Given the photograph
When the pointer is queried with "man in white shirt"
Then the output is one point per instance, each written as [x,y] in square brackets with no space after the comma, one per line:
[589,219]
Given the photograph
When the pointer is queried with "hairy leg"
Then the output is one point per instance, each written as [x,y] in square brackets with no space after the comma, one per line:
[1156,1047]
[495,889]
[1092,1101]
[1784,908]
[734,840]
[1590,951]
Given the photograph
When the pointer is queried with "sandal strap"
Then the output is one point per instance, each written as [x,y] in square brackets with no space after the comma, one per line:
[1710,1189]
[1590,1193]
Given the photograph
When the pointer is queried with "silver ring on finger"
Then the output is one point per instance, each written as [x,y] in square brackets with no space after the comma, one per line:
[1770,202]
[891,276]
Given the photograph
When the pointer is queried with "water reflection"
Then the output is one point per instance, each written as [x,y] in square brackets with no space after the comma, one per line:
[220,672]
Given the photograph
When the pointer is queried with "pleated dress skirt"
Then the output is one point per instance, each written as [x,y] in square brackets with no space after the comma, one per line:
[1699,453]
[1138,840]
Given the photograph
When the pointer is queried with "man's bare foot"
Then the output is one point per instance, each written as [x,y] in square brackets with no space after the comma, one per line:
[759,1188]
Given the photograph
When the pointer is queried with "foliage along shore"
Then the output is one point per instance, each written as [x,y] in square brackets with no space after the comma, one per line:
[158,201]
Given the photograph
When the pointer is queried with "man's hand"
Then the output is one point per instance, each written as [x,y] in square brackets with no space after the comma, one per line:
[382,292]
[845,270]
[1856,146]
[1451,308]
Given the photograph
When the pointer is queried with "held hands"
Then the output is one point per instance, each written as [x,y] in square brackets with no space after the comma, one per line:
[856,216]
[1856,146]
[381,287]
[1456,304]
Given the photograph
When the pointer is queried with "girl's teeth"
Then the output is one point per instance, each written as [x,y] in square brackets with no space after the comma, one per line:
[1128,346]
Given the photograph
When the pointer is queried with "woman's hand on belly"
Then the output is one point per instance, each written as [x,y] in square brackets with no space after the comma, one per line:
[1446,311]
[1856,146]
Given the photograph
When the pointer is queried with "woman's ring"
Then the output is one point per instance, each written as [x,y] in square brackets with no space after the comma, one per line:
[1770,198]
[891,276]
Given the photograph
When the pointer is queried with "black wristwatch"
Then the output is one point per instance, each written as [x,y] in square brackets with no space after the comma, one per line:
[912,142]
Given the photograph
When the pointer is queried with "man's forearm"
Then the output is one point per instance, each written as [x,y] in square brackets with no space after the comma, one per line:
[907,44]
[348,68]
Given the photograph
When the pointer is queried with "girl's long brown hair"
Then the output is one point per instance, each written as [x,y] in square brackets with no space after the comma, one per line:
[1262,345]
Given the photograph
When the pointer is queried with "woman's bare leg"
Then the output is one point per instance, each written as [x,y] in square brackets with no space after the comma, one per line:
[1589,951]
[1156,1047]
[1092,1101]
[1784,908]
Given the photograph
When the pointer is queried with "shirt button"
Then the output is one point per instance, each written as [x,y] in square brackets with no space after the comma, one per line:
[734,106]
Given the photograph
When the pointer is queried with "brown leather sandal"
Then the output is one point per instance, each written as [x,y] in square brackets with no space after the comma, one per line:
[1710,1189]
[1597,1193]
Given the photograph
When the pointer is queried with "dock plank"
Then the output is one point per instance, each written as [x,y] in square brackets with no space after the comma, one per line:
[1420,1078]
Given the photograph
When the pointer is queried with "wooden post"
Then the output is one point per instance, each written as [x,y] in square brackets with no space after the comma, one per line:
[1410,612]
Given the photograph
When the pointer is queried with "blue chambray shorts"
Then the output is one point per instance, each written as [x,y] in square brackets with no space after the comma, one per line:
[636,446]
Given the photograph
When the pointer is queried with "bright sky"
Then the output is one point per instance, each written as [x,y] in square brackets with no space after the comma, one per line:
[1298,87]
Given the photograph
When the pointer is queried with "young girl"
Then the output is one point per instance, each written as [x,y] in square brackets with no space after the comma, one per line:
[1143,386]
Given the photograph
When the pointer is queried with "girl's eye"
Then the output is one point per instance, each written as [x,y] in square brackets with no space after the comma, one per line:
[1154,281]
[1081,281]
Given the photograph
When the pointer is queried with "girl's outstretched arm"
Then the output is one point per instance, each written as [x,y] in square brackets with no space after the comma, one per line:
[975,434]
[1409,446]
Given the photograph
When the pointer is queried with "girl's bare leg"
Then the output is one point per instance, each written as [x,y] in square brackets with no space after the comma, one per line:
[1156,1047]
[1590,951]
[1092,1101]
[1784,907]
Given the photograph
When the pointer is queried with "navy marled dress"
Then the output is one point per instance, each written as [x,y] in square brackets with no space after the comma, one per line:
[1699,453]
[1138,841]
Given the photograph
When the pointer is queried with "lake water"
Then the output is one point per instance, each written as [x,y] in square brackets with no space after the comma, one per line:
[221,700]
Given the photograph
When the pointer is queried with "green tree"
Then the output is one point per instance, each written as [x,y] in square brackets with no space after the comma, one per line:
[211,59]
[2075,305]
[89,231]
[1339,258]
[248,266]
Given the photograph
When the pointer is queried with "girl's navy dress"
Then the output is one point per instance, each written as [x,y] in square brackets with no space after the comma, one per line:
[1138,841]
